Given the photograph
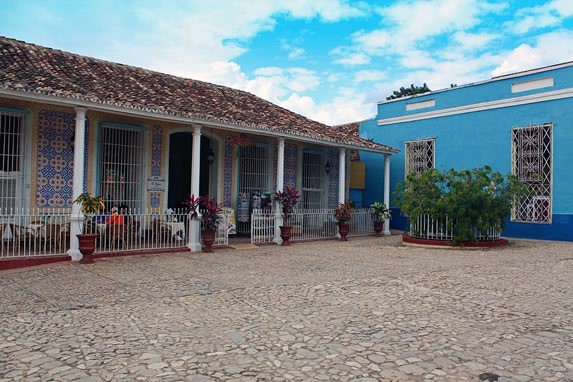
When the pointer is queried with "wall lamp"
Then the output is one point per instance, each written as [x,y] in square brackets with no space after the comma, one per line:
[327,168]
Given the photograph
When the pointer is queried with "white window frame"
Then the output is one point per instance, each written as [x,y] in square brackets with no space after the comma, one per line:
[419,155]
[130,177]
[320,160]
[19,195]
[532,163]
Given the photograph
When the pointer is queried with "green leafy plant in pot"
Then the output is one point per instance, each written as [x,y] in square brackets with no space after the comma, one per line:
[380,213]
[287,201]
[343,214]
[89,206]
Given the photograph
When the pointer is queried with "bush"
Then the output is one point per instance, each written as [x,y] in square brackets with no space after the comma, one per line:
[469,198]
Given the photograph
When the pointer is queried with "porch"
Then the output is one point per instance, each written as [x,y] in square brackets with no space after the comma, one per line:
[42,233]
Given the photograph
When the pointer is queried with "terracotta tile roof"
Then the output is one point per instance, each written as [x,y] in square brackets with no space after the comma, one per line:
[38,70]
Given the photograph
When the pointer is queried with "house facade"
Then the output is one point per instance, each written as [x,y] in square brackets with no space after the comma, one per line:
[518,123]
[146,140]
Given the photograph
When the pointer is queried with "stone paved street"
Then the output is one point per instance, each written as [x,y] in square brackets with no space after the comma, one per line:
[364,310]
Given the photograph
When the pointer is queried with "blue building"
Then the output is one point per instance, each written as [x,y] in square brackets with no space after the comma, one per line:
[520,123]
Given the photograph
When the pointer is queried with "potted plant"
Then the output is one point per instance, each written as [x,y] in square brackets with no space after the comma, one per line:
[211,217]
[342,214]
[90,205]
[287,200]
[380,213]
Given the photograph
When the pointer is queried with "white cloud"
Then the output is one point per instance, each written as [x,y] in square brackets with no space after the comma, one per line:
[541,16]
[471,41]
[353,59]
[549,49]
[521,58]
[564,7]
[411,25]
[369,75]
[415,20]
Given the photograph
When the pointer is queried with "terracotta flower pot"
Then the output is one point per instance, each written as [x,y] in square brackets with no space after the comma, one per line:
[378,226]
[87,245]
[343,230]
[286,233]
[208,237]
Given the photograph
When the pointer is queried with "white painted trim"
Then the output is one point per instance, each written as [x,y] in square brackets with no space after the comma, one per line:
[421,104]
[97,106]
[517,101]
[493,79]
[539,83]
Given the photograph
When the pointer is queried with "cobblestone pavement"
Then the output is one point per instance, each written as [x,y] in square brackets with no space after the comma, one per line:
[364,310]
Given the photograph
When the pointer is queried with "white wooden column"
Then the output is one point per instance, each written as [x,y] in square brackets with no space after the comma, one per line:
[387,191]
[194,243]
[280,185]
[76,217]
[342,175]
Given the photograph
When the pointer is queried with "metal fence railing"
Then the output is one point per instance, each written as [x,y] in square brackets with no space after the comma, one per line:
[310,224]
[262,226]
[33,232]
[42,232]
[443,228]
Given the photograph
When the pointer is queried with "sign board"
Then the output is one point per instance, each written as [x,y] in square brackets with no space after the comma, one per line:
[155,184]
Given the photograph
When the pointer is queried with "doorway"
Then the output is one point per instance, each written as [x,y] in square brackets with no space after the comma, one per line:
[180,157]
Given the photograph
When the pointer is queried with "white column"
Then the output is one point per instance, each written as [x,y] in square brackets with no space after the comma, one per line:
[280,185]
[195,225]
[387,191]
[76,217]
[342,175]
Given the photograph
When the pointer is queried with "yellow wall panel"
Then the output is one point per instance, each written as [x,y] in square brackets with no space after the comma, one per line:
[358,175]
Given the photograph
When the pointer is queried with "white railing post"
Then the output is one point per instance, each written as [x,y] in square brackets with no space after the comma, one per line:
[76,217]
[280,185]
[194,243]
[387,191]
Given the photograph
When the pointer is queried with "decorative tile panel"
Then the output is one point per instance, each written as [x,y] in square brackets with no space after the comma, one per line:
[275,166]
[54,185]
[228,178]
[333,158]
[291,156]
[156,152]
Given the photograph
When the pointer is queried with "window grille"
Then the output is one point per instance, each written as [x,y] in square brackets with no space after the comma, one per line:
[11,159]
[254,177]
[531,162]
[121,166]
[313,181]
[419,155]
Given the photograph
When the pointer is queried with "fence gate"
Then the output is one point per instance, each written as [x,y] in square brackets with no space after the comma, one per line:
[262,226]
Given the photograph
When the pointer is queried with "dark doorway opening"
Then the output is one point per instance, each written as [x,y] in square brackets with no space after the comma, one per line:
[180,154]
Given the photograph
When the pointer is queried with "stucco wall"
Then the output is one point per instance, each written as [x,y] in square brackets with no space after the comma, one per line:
[480,138]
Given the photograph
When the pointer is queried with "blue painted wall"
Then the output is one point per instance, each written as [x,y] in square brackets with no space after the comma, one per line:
[478,138]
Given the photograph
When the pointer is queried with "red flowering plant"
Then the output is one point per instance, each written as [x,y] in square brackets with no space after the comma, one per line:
[211,212]
[191,205]
[287,199]
[211,215]
[342,213]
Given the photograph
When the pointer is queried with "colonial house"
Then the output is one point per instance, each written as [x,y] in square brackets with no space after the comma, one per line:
[144,141]
[518,123]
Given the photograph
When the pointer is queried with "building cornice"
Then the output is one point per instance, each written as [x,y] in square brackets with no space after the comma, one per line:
[508,102]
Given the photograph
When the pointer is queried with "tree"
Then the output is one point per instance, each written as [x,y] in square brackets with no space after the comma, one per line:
[412,90]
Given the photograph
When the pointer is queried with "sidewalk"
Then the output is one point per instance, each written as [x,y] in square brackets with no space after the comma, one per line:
[364,310]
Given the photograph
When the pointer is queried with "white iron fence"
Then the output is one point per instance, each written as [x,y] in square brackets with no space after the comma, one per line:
[309,224]
[41,232]
[33,232]
[442,228]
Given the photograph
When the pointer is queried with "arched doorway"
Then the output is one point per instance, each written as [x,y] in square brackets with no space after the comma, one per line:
[180,154]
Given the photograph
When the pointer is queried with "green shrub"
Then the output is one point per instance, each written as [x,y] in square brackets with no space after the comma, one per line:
[469,198]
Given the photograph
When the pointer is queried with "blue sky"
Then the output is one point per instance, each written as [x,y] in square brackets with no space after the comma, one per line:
[330,60]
